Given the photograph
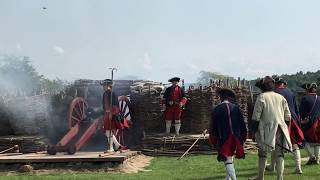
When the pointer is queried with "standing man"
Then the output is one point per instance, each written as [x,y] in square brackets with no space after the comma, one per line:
[270,117]
[296,134]
[174,99]
[112,119]
[228,131]
[310,120]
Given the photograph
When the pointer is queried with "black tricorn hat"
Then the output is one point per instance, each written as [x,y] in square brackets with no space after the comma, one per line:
[174,79]
[226,93]
[309,86]
[265,84]
[106,82]
[280,80]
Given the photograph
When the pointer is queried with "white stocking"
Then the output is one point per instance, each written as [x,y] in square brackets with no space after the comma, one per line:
[279,163]
[177,126]
[309,150]
[231,172]
[297,157]
[168,126]
[110,140]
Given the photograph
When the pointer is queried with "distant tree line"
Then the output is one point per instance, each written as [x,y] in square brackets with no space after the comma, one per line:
[19,77]
[294,80]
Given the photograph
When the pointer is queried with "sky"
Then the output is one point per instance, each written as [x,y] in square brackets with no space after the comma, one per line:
[158,39]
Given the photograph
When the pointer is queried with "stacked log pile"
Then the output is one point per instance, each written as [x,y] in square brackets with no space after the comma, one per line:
[146,88]
[27,144]
[158,144]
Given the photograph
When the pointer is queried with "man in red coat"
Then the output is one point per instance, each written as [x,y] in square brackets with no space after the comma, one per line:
[173,100]
[112,119]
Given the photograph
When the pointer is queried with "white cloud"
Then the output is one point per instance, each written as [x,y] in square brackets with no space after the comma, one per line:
[193,67]
[58,49]
[146,62]
[18,46]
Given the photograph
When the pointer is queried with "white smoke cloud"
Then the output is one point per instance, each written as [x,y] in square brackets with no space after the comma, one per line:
[193,67]
[146,62]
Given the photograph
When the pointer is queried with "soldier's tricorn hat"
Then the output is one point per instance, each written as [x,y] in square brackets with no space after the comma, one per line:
[280,80]
[106,82]
[226,92]
[266,84]
[174,79]
[309,86]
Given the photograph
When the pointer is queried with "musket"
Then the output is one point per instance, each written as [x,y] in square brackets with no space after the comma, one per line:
[111,106]
[202,135]
[277,144]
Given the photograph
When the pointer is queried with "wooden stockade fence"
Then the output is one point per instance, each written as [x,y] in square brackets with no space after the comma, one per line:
[201,100]
[160,145]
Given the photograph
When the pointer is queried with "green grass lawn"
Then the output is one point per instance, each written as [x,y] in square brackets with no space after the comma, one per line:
[193,167]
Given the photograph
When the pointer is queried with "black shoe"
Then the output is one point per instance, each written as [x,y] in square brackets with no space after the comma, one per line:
[312,161]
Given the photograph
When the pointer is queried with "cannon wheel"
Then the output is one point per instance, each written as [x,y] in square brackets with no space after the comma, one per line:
[51,149]
[77,111]
[71,150]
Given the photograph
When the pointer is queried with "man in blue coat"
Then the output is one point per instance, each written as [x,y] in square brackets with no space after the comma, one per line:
[310,120]
[228,131]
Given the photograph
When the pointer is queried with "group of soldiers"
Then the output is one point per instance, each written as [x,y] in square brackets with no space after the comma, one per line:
[278,124]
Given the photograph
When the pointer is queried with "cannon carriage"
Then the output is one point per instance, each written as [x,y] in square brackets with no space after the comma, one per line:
[85,116]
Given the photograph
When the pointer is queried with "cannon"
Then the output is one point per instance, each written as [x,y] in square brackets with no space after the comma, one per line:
[83,123]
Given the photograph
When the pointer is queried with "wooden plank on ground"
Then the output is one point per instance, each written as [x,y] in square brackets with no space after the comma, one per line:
[61,158]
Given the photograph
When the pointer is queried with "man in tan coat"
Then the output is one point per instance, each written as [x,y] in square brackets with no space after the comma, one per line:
[270,115]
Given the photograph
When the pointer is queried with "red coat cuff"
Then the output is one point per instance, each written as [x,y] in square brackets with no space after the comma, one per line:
[183,101]
[115,110]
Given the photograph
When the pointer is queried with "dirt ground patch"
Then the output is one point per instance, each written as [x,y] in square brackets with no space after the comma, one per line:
[136,164]
[132,165]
